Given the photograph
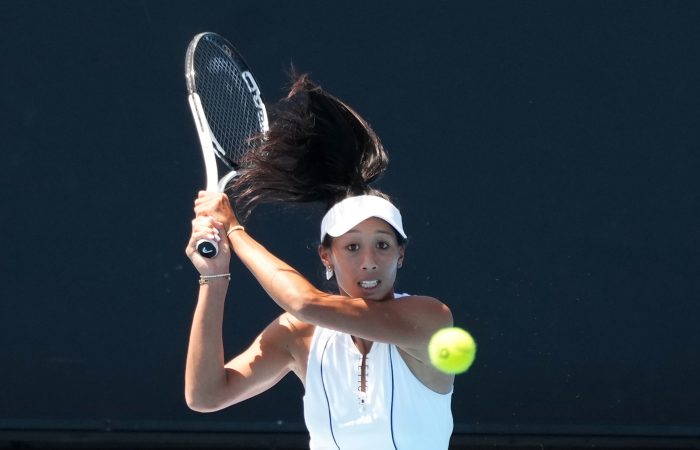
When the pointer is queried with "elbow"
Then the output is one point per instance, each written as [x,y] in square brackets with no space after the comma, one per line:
[302,304]
[201,403]
[201,407]
[195,403]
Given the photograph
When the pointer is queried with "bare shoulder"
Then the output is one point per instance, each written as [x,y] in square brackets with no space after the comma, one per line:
[298,342]
[276,351]
[435,315]
[283,339]
[296,328]
[430,308]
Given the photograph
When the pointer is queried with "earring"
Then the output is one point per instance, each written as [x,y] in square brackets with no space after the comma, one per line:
[329,273]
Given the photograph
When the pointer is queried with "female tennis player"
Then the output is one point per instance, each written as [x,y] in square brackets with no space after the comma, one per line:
[361,352]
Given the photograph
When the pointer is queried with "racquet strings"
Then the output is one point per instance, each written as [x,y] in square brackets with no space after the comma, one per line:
[228,104]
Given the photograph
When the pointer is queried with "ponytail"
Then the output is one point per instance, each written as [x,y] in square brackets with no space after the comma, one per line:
[318,149]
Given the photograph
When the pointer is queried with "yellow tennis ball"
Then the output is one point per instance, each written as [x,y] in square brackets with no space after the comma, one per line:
[452,350]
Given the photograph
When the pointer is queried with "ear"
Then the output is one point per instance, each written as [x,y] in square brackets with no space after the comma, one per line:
[402,253]
[325,254]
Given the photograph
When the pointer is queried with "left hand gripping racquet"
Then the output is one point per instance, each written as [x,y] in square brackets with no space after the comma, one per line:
[228,110]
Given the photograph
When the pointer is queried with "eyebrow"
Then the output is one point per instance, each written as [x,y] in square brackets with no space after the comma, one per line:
[375,231]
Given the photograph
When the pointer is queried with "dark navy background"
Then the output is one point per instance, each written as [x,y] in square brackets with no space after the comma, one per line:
[544,155]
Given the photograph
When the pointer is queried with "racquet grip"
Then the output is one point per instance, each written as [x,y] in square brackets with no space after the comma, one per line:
[207,248]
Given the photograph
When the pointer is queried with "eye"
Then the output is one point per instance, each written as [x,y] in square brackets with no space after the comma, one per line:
[383,245]
[352,247]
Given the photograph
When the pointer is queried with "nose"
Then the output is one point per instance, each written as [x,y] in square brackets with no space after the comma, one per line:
[368,261]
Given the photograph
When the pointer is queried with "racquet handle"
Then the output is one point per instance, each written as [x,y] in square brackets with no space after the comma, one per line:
[207,248]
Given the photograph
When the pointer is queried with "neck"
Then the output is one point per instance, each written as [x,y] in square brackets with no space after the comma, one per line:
[363,345]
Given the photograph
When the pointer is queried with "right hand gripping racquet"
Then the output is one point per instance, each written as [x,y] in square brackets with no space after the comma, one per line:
[227,107]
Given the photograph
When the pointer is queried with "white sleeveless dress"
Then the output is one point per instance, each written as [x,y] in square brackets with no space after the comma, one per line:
[397,411]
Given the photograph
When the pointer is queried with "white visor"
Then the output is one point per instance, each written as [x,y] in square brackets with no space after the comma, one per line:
[347,213]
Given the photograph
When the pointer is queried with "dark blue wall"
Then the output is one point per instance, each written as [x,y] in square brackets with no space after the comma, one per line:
[544,154]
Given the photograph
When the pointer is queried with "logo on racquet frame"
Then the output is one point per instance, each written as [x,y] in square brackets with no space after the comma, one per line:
[257,99]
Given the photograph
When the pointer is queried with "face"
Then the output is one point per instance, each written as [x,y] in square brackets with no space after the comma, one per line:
[365,260]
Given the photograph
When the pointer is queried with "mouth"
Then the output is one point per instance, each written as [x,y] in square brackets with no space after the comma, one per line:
[369,284]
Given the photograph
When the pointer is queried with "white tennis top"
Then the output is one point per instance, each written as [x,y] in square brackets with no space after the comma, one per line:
[397,411]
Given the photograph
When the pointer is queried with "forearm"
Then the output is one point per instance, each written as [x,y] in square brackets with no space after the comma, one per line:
[284,284]
[205,376]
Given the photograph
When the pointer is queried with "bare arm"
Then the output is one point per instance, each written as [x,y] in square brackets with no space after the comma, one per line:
[210,384]
[408,323]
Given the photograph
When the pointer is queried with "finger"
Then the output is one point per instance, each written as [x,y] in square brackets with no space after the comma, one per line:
[206,228]
[207,206]
[204,198]
[217,206]
[209,221]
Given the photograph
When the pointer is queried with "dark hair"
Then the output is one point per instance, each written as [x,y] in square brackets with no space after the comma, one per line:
[318,149]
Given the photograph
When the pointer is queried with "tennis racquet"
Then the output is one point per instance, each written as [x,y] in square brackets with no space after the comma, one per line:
[228,111]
